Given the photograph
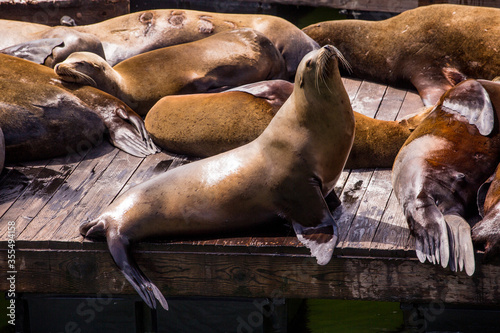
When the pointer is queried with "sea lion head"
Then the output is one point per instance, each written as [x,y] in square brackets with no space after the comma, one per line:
[318,68]
[84,68]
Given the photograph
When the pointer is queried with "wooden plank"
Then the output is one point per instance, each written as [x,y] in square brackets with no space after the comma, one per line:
[197,274]
[370,211]
[393,6]
[100,195]
[15,180]
[484,3]
[412,104]
[50,11]
[393,235]
[368,98]
[67,198]
[351,87]
[391,104]
[39,192]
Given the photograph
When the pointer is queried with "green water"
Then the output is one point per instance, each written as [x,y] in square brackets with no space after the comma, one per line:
[338,316]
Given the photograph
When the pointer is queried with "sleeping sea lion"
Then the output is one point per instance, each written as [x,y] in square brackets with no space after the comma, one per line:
[203,125]
[41,117]
[223,61]
[43,44]
[287,171]
[128,35]
[427,46]
[438,171]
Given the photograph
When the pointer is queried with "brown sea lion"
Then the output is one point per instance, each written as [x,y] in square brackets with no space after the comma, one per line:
[129,35]
[427,46]
[43,44]
[203,125]
[439,169]
[487,231]
[2,150]
[225,60]
[287,171]
[41,117]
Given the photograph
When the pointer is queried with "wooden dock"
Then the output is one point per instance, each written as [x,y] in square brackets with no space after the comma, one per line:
[375,258]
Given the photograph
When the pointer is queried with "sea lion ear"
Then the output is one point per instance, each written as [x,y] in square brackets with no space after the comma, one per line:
[301,81]
[472,101]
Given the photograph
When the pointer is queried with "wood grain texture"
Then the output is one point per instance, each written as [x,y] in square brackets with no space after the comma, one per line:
[198,274]
[50,11]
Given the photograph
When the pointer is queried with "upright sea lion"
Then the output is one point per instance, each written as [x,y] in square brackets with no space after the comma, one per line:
[131,34]
[207,124]
[427,46]
[223,61]
[439,169]
[43,44]
[41,117]
[287,171]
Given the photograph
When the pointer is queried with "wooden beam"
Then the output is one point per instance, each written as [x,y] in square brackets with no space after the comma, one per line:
[50,11]
[393,6]
[216,274]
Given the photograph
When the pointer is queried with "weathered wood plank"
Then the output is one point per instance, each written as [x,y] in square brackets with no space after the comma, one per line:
[484,3]
[15,179]
[39,192]
[50,11]
[392,236]
[54,213]
[393,6]
[412,104]
[368,98]
[369,213]
[198,274]
[100,195]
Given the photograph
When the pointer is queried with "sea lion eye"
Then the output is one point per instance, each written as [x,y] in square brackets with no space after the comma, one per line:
[309,63]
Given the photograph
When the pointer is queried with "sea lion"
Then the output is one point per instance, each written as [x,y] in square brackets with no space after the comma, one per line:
[222,61]
[439,169]
[41,117]
[43,44]
[487,231]
[128,35]
[2,150]
[427,46]
[203,125]
[287,171]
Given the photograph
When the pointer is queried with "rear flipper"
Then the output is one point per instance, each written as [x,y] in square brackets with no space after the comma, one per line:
[120,250]
[119,246]
[461,249]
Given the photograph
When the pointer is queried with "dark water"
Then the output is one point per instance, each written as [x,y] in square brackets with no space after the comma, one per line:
[337,316]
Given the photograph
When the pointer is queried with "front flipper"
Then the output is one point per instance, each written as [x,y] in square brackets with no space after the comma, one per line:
[127,132]
[120,251]
[314,225]
[429,228]
[431,85]
[36,51]
[461,249]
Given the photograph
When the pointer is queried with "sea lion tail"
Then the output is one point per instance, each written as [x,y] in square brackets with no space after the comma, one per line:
[460,240]
[119,247]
